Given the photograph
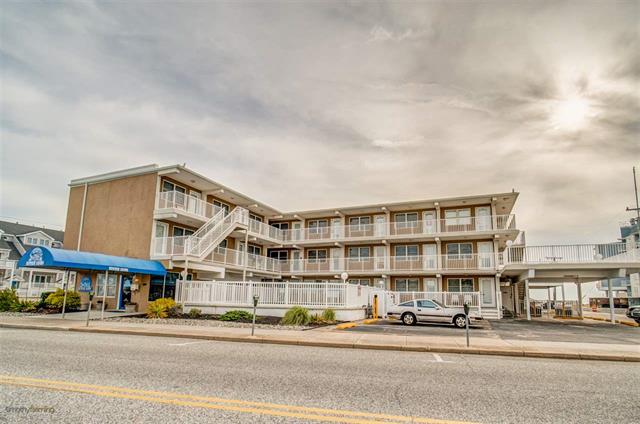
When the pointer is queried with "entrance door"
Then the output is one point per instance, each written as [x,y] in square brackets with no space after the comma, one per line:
[430,285]
[483,218]
[194,204]
[485,255]
[125,291]
[336,259]
[295,226]
[160,243]
[430,256]
[295,261]
[429,222]
[380,259]
[488,291]
[336,228]
[380,229]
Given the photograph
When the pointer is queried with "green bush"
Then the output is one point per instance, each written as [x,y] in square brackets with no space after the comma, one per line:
[296,316]
[195,313]
[236,316]
[162,308]
[56,299]
[43,299]
[8,300]
[329,316]
[27,306]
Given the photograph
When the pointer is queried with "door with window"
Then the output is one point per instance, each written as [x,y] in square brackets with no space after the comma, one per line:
[483,218]
[161,240]
[380,258]
[430,285]
[485,255]
[336,228]
[380,226]
[296,263]
[430,256]
[336,259]
[194,205]
[296,230]
[488,291]
[429,222]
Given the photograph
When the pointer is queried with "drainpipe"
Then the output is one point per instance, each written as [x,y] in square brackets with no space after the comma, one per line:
[84,203]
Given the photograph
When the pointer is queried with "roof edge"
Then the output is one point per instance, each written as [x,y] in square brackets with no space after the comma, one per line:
[114,175]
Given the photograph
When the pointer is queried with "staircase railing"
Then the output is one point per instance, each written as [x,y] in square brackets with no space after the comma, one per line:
[203,241]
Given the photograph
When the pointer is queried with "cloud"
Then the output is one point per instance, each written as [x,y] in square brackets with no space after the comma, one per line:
[323,104]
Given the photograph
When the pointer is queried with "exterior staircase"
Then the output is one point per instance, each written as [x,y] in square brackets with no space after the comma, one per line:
[201,243]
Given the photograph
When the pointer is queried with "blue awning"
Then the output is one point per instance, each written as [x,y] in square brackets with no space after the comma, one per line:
[47,257]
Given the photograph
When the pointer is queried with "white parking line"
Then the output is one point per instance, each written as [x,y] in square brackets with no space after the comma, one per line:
[187,343]
[438,359]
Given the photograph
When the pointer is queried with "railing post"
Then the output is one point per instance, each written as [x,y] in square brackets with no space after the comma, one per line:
[479,297]
[326,293]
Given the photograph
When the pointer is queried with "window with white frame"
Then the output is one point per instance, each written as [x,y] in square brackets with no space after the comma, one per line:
[40,280]
[169,186]
[406,251]
[221,205]
[280,255]
[460,284]
[111,285]
[254,250]
[459,250]
[359,223]
[317,255]
[360,281]
[407,284]
[223,244]
[457,217]
[359,253]
[255,217]
[317,226]
[406,219]
[181,232]
[280,225]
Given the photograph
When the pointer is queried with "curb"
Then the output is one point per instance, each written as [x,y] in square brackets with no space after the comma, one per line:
[344,345]
[627,323]
[346,325]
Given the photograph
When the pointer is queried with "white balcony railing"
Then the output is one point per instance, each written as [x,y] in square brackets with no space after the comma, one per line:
[186,203]
[236,258]
[450,299]
[572,254]
[412,228]
[264,231]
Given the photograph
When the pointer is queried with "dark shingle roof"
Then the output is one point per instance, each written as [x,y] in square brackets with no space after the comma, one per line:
[19,229]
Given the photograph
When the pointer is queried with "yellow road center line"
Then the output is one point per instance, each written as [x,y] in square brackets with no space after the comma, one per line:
[206,402]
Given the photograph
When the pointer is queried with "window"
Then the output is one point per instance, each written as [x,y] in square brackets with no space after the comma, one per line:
[280,225]
[460,284]
[425,304]
[459,250]
[409,304]
[457,217]
[407,284]
[359,252]
[408,250]
[169,186]
[223,244]
[39,280]
[111,286]
[255,217]
[360,281]
[359,223]
[181,232]
[407,219]
[317,255]
[254,250]
[281,255]
[316,226]
[221,205]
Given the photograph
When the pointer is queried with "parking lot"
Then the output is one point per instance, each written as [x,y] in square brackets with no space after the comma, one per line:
[509,329]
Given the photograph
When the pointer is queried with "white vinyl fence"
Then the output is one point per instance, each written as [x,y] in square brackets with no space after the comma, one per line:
[452,299]
[237,293]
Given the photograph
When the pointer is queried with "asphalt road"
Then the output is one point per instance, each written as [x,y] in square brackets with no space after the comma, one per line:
[552,331]
[48,376]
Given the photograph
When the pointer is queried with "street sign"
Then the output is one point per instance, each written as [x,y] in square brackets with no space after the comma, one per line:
[85,285]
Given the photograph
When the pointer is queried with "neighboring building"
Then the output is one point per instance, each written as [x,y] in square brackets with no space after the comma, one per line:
[208,231]
[15,240]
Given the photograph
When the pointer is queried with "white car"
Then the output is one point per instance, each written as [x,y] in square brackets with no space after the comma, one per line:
[421,310]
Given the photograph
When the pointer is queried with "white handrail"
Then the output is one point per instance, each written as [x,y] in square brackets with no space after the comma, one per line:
[572,253]
[185,202]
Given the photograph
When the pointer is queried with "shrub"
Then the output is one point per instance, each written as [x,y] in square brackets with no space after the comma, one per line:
[162,308]
[195,313]
[236,315]
[296,316]
[329,316]
[27,306]
[56,299]
[8,300]
[43,299]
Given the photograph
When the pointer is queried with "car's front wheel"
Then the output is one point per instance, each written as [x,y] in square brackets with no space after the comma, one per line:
[409,319]
[460,321]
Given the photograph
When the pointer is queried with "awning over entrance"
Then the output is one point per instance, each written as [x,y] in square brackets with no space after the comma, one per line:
[46,257]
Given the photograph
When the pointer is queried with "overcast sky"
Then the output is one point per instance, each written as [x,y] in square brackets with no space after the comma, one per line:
[331,104]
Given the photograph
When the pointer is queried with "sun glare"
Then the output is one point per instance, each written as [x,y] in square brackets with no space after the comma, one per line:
[571,114]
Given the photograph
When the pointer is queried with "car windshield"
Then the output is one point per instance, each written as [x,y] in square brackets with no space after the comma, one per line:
[438,303]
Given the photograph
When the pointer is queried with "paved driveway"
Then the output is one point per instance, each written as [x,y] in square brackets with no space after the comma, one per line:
[507,329]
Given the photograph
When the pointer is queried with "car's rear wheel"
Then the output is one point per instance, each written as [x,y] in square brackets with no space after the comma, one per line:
[408,319]
[460,321]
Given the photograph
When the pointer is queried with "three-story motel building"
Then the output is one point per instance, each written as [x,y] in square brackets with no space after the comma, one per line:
[202,230]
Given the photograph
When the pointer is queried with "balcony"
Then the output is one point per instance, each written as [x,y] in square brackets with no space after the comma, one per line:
[572,254]
[400,230]
[183,208]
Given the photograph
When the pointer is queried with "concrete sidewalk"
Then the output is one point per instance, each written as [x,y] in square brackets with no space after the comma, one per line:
[330,337]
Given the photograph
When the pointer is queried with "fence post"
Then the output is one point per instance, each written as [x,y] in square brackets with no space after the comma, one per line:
[286,293]
[326,293]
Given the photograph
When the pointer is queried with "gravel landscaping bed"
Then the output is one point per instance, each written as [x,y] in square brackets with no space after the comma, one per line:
[208,323]
[19,314]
